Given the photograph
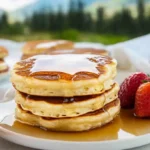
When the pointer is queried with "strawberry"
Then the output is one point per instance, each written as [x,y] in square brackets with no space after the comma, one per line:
[142,101]
[129,87]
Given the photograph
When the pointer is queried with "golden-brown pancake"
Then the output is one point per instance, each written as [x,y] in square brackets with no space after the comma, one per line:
[45,46]
[3,65]
[64,75]
[58,107]
[4,69]
[3,52]
[81,123]
[81,51]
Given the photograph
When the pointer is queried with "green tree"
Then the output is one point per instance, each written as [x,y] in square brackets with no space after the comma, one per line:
[126,22]
[114,23]
[71,16]
[4,25]
[122,23]
[141,16]
[16,28]
[89,23]
[100,20]
[52,21]
[80,17]
[60,20]
[34,22]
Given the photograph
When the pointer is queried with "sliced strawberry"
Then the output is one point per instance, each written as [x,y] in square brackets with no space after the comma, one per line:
[142,101]
[129,87]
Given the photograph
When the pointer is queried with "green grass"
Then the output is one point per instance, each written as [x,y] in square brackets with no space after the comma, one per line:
[104,38]
[88,37]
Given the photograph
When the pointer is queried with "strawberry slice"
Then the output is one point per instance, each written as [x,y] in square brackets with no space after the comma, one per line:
[142,101]
[129,87]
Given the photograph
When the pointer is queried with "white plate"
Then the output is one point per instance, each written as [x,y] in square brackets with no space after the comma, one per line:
[33,136]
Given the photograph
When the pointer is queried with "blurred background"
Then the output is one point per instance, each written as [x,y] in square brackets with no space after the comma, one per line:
[105,21]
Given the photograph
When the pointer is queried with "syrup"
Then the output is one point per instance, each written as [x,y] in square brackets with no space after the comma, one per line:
[124,126]
[68,67]
[62,100]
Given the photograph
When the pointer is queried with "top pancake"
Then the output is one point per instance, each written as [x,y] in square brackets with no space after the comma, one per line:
[3,52]
[64,75]
[45,46]
[3,66]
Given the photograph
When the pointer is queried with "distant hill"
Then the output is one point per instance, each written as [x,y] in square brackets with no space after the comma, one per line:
[90,6]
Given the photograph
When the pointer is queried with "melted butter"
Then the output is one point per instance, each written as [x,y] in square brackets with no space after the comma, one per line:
[124,126]
[49,44]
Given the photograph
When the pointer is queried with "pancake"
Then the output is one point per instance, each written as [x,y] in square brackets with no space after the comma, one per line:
[64,75]
[3,69]
[3,65]
[82,123]
[73,51]
[80,51]
[58,107]
[44,46]
[25,56]
[3,52]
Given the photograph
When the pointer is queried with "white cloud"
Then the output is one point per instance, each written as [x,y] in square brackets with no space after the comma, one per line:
[10,5]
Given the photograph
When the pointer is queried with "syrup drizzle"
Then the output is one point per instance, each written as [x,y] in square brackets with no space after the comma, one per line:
[68,67]
[62,100]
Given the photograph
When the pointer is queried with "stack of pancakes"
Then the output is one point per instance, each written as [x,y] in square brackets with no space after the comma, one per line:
[3,66]
[69,92]
[56,47]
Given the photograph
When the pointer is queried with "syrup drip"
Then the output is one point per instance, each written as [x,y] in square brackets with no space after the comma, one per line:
[62,100]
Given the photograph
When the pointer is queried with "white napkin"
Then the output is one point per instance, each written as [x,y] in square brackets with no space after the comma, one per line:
[133,54]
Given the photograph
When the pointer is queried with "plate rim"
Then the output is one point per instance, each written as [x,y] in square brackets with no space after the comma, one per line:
[63,141]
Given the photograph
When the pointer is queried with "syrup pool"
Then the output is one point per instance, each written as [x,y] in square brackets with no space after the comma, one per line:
[123,127]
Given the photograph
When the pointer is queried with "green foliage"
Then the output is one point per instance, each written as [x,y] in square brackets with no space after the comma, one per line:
[4,23]
[16,28]
[76,18]
[72,24]
[100,23]
[70,34]
[103,38]
[89,37]
[141,20]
